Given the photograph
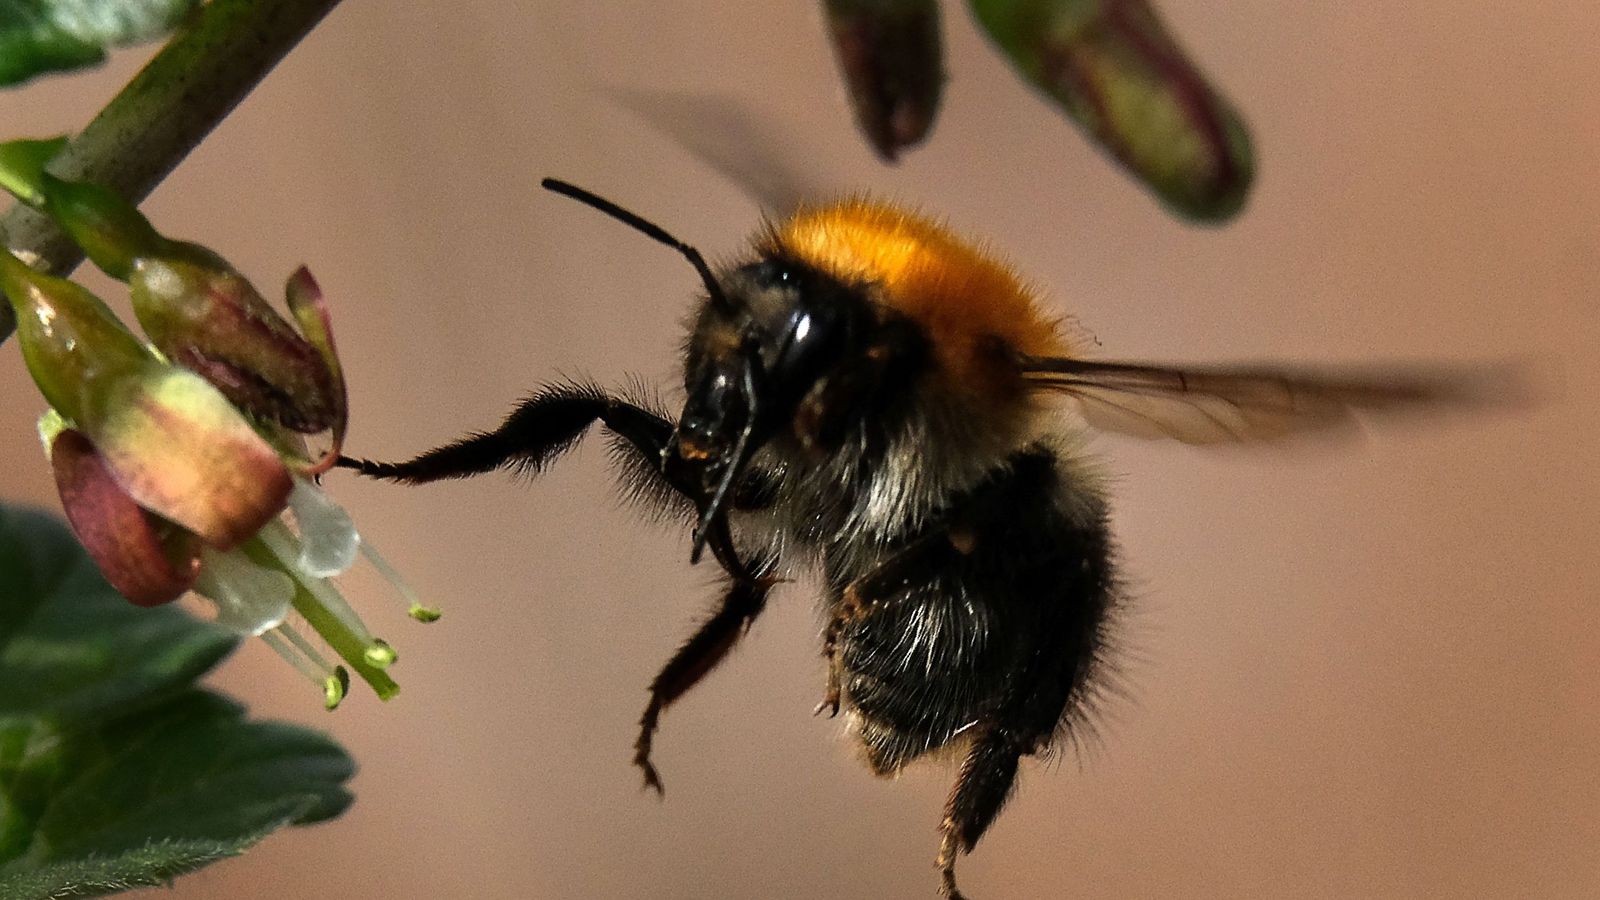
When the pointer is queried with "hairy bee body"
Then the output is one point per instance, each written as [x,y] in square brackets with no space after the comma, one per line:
[1003,631]
[873,398]
[1001,626]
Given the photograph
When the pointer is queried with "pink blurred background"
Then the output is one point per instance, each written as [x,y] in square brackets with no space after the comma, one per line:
[1362,670]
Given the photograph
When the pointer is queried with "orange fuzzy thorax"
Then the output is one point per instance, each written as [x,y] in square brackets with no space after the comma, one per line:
[962,297]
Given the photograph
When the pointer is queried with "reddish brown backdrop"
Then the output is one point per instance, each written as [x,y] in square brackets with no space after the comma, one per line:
[1365,670]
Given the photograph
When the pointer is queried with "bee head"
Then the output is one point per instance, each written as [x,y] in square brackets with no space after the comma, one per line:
[771,332]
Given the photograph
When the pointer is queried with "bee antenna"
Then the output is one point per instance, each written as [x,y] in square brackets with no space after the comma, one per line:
[649,228]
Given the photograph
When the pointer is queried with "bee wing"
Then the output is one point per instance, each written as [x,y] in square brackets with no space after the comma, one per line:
[1229,404]
[721,132]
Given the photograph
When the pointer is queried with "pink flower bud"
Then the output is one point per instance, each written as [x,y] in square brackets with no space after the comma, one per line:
[148,561]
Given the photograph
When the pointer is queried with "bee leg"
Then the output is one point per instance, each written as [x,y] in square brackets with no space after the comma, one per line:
[981,789]
[830,652]
[541,428]
[889,579]
[745,598]
[1024,723]
[548,424]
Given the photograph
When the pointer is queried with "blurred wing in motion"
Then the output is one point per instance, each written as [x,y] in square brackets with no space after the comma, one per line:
[723,133]
[1240,404]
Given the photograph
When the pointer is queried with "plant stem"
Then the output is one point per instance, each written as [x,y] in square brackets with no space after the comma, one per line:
[164,112]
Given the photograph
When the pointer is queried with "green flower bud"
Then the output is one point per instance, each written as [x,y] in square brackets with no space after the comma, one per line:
[206,317]
[1115,70]
[170,440]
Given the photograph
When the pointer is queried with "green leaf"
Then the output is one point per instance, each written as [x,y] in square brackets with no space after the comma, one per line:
[115,771]
[150,866]
[70,646]
[22,165]
[39,36]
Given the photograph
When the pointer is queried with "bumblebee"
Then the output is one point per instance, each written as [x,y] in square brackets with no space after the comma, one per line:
[871,397]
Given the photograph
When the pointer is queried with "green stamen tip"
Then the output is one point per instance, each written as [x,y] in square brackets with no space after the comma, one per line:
[379,655]
[334,687]
[424,614]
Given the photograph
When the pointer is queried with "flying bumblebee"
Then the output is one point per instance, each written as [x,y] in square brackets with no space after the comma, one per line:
[871,396]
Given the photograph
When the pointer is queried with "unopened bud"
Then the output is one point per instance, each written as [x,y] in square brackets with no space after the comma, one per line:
[891,55]
[1113,67]
[207,317]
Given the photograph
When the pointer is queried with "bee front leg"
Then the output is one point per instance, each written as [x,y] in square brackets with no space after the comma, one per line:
[540,429]
[746,596]
[548,424]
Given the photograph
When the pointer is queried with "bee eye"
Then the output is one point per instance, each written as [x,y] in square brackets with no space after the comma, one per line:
[774,274]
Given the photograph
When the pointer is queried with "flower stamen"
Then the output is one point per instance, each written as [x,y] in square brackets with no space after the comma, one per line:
[325,609]
[299,652]
[414,607]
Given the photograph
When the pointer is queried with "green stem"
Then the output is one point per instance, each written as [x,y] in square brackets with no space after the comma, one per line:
[164,112]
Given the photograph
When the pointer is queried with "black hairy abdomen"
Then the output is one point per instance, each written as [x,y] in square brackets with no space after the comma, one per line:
[1005,632]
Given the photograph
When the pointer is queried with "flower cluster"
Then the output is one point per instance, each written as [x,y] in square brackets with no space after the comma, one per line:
[182,459]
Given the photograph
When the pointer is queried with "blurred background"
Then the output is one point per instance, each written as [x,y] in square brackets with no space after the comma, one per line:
[1360,670]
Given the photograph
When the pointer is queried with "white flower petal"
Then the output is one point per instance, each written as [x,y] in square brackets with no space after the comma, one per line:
[250,599]
[283,544]
[328,538]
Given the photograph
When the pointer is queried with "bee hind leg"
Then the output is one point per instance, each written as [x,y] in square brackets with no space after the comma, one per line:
[981,789]
[741,603]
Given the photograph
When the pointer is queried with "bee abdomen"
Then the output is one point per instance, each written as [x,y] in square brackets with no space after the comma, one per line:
[1007,631]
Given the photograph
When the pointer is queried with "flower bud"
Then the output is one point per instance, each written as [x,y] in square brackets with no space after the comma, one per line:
[891,55]
[206,317]
[174,444]
[148,561]
[1115,70]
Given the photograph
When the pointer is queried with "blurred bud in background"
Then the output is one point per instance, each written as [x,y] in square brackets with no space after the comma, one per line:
[892,59]
[1111,65]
